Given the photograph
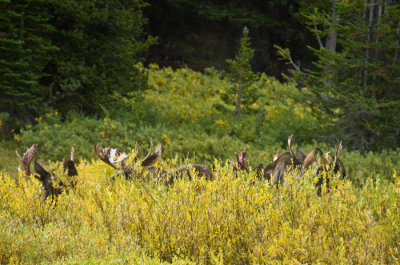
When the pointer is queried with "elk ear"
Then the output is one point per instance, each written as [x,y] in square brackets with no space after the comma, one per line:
[69,167]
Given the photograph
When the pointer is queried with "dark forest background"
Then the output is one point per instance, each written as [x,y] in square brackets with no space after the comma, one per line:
[90,60]
[205,33]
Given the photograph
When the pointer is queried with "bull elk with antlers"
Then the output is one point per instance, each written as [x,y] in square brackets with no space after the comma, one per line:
[199,169]
[47,179]
[326,163]
[203,170]
[281,164]
[111,156]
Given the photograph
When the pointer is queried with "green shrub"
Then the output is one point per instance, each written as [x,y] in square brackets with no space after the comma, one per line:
[184,110]
[56,136]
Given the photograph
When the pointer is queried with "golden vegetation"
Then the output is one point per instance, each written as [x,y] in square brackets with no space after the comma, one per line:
[231,220]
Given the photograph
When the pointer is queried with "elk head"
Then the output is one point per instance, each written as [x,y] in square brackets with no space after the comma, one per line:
[111,156]
[46,178]
[282,163]
[327,163]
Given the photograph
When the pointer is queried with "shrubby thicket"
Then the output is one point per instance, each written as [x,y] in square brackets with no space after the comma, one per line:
[233,219]
[185,110]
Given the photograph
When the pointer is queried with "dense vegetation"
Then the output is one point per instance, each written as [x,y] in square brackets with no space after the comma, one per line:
[73,73]
[231,220]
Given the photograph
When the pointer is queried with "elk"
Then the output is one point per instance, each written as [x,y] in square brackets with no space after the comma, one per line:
[199,169]
[281,163]
[327,163]
[267,171]
[111,156]
[44,176]
[203,170]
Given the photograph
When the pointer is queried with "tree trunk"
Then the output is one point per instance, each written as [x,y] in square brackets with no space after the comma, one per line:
[331,38]
[330,44]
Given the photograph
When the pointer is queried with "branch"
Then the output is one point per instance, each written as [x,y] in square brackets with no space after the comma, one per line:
[318,37]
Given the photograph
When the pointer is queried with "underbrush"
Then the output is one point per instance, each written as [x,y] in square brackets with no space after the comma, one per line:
[191,114]
[8,158]
[56,136]
[230,220]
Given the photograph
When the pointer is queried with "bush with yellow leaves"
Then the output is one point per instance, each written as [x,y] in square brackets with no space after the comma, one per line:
[230,220]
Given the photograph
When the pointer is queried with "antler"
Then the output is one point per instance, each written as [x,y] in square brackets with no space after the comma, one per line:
[298,159]
[109,155]
[233,165]
[27,158]
[278,154]
[290,146]
[72,153]
[339,147]
[137,155]
[152,157]
[241,159]
[290,143]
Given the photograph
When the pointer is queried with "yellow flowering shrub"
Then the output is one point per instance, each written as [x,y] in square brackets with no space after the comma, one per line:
[234,219]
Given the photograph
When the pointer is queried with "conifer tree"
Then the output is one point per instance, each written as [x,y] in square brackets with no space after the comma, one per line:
[355,87]
[241,73]
[25,50]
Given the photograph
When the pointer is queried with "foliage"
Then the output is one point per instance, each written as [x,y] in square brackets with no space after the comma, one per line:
[231,220]
[242,75]
[184,110]
[56,136]
[374,166]
[201,34]
[101,41]
[352,88]
[68,55]
[25,51]
[8,160]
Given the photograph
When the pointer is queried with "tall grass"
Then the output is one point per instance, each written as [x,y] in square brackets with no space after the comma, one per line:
[231,220]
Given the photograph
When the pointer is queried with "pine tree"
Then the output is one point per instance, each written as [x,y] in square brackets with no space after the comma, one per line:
[100,42]
[241,73]
[356,87]
[25,50]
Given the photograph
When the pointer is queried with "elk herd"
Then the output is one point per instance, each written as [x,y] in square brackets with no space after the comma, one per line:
[274,172]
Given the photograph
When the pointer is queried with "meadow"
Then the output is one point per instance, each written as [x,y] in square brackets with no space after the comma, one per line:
[233,219]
